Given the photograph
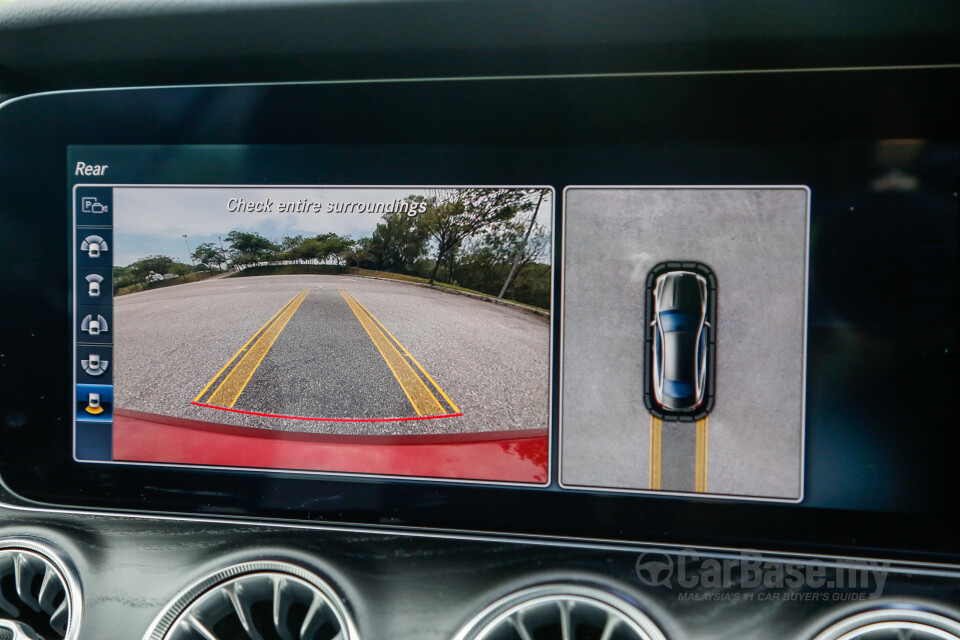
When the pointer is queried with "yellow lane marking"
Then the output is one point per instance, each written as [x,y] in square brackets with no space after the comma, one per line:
[409,357]
[242,349]
[416,390]
[700,475]
[656,438]
[236,381]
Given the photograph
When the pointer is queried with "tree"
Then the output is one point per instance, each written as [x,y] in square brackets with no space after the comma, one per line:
[397,242]
[289,246]
[307,250]
[321,248]
[359,255]
[123,277]
[452,215]
[137,272]
[249,248]
[486,260]
[208,254]
[289,243]
[522,246]
[157,264]
[334,246]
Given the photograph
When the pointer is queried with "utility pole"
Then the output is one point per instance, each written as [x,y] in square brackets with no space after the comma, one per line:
[189,255]
[523,246]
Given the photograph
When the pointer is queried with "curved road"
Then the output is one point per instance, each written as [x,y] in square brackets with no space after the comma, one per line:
[360,352]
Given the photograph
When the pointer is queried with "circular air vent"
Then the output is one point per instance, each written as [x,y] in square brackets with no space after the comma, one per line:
[561,612]
[261,600]
[893,624]
[39,593]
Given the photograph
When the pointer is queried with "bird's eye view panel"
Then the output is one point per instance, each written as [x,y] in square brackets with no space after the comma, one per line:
[555,321]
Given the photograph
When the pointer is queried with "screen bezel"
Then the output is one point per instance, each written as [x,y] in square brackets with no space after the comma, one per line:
[37,465]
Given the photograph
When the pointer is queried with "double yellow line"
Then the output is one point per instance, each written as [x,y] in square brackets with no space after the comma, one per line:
[418,387]
[656,455]
[233,378]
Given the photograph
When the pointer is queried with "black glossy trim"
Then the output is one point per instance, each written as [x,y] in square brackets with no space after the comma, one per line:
[104,43]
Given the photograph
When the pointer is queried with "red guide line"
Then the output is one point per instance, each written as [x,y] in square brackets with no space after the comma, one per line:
[274,415]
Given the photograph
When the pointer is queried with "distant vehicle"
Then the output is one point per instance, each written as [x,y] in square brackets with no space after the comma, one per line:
[680,340]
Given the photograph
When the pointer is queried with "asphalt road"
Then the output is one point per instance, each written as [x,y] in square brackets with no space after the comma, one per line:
[331,347]
[755,241]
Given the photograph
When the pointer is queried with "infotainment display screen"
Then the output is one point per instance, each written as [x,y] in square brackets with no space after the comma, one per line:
[702,309]
[381,330]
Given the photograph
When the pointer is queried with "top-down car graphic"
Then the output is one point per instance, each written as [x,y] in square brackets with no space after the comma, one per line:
[680,340]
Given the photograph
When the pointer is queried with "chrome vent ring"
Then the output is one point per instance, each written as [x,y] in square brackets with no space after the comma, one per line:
[259,600]
[893,623]
[561,611]
[39,592]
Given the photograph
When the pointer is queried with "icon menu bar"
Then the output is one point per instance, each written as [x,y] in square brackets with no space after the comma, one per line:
[93,319]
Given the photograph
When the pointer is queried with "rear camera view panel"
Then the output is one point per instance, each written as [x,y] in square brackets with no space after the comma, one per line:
[683,340]
[384,331]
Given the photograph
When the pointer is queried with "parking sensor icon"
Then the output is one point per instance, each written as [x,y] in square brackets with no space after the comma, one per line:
[94,246]
[94,325]
[93,280]
[94,366]
[94,402]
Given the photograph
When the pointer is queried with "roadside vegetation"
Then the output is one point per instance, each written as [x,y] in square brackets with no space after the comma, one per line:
[153,272]
[479,240]
[195,276]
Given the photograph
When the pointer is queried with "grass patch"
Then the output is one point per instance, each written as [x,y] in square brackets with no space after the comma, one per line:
[145,286]
[440,285]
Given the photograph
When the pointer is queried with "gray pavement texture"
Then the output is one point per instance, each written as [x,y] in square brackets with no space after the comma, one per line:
[492,361]
[324,365]
[678,456]
[755,241]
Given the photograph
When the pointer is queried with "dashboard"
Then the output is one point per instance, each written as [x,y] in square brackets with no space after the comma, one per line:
[550,321]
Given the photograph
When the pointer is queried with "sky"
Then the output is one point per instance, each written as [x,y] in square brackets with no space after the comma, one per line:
[153,220]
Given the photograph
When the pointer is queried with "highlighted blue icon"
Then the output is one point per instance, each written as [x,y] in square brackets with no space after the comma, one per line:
[94,402]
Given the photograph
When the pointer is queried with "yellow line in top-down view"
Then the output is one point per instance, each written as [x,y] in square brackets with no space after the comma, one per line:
[424,402]
[700,477]
[235,382]
[656,433]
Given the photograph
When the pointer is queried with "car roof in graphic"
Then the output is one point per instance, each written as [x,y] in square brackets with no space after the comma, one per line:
[679,361]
